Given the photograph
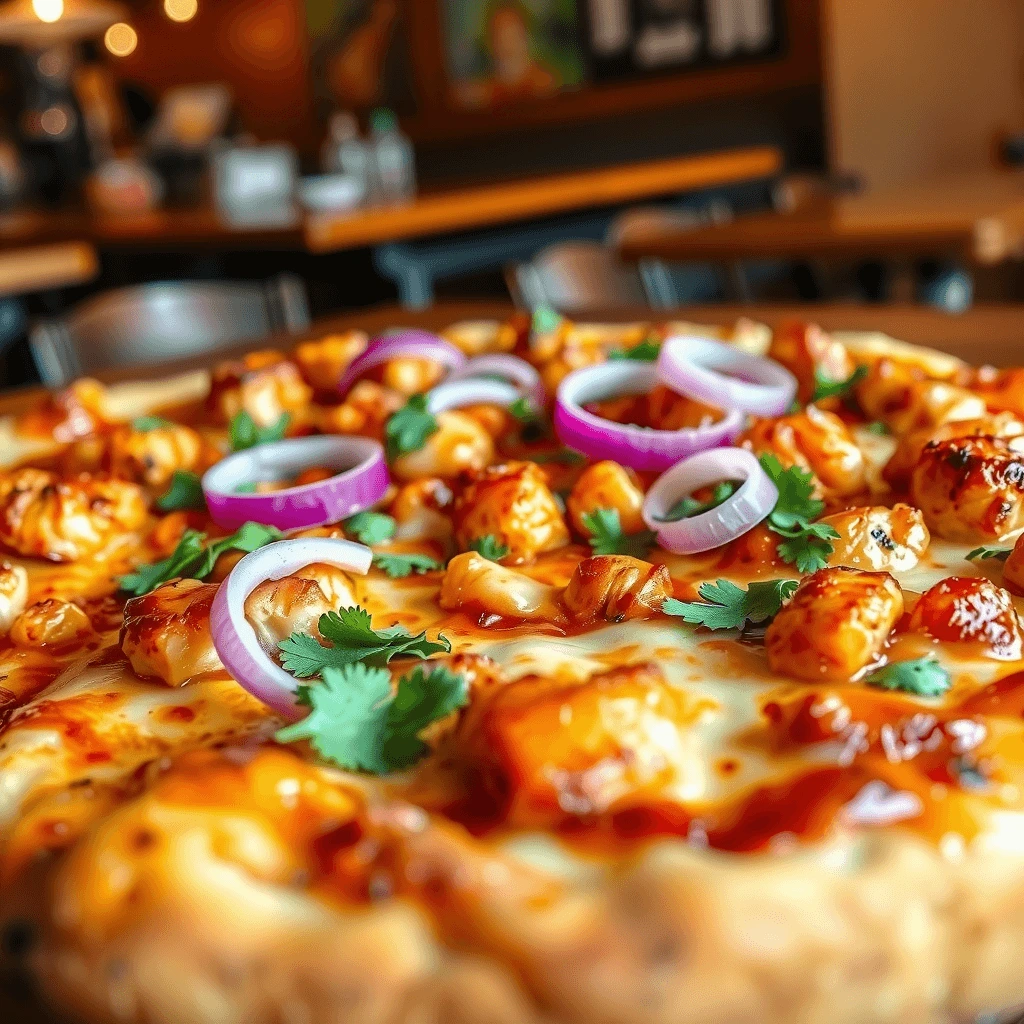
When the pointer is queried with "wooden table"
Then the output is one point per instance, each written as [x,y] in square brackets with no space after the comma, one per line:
[41,267]
[978,218]
[986,333]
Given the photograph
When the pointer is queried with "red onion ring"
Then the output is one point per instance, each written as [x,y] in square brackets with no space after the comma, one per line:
[457,394]
[233,637]
[408,344]
[751,503]
[709,371]
[360,483]
[512,368]
[638,447]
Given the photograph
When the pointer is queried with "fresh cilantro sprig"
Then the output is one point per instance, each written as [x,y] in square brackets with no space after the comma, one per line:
[398,565]
[924,677]
[647,351]
[353,639]
[408,429]
[689,506]
[727,606]
[523,410]
[607,538]
[185,492]
[983,554]
[370,527]
[807,544]
[545,320]
[490,547]
[244,432]
[356,720]
[824,387]
[144,424]
[194,557]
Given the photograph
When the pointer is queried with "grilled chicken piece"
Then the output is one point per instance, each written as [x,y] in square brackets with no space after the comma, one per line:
[46,516]
[420,511]
[835,624]
[13,593]
[323,361]
[460,444]
[970,489]
[810,354]
[152,456]
[264,384]
[482,588]
[878,538]
[616,587]
[606,485]
[52,624]
[970,610]
[166,633]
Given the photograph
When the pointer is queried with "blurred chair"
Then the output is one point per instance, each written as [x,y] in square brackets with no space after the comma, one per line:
[573,276]
[171,320]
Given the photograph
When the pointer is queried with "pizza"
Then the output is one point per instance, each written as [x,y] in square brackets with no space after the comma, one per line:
[534,671]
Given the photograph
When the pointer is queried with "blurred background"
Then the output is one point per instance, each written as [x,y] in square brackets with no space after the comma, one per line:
[258,163]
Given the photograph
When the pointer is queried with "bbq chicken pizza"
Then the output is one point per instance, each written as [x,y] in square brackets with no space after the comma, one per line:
[534,672]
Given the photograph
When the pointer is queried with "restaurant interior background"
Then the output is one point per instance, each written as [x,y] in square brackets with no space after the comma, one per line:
[338,154]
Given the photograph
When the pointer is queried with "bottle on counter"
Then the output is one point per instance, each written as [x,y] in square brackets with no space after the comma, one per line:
[346,152]
[394,158]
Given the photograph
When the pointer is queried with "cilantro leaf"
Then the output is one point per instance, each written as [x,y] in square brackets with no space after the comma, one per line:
[826,388]
[144,424]
[354,639]
[398,566]
[981,554]
[194,558]
[564,455]
[646,352]
[348,717]
[924,677]
[186,492]
[808,544]
[408,429]
[490,547]
[690,506]
[545,320]
[607,538]
[245,433]
[727,606]
[357,721]
[523,410]
[370,527]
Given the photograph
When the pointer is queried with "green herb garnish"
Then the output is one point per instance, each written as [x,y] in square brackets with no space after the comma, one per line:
[924,677]
[807,544]
[408,429]
[607,538]
[370,527]
[244,432]
[727,606]
[646,352]
[398,566]
[144,424]
[689,506]
[983,554]
[186,492]
[826,388]
[490,547]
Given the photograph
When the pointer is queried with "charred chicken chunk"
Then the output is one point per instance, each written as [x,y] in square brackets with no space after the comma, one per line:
[835,624]
[263,384]
[511,502]
[489,591]
[152,456]
[323,361]
[878,538]
[166,633]
[45,516]
[13,594]
[420,511]
[970,489]
[460,444]
[969,610]
[606,485]
[51,623]
[810,355]
[615,588]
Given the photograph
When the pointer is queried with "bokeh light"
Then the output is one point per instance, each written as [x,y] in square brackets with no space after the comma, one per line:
[181,10]
[48,10]
[121,39]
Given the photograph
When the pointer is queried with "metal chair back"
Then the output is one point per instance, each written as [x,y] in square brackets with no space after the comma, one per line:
[170,320]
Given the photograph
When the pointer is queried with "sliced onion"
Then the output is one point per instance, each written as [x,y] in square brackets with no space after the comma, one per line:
[457,394]
[751,503]
[511,368]
[637,447]
[718,374]
[233,636]
[405,344]
[361,482]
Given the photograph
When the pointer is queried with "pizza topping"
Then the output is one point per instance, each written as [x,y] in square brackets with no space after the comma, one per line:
[195,557]
[970,489]
[234,637]
[153,453]
[494,592]
[370,528]
[419,445]
[506,368]
[65,520]
[983,554]
[616,587]
[969,610]
[13,593]
[738,513]
[489,547]
[641,448]
[878,538]
[607,485]
[414,344]
[727,606]
[828,387]
[244,432]
[360,479]
[51,623]
[835,624]
[924,677]
[265,386]
[709,371]
[812,356]
[399,564]
[357,721]
[185,493]
[608,538]
[420,511]
[458,394]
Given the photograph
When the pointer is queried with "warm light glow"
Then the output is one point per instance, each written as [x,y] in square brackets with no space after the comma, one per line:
[181,10]
[48,10]
[121,39]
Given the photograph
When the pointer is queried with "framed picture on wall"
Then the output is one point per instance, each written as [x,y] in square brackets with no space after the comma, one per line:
[500,53]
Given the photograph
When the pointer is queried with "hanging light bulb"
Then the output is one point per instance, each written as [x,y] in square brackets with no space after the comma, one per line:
[181,10]
[48,10]
[121,39]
